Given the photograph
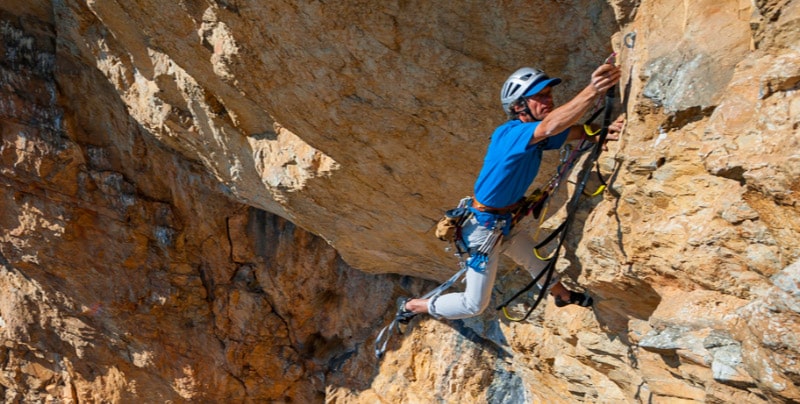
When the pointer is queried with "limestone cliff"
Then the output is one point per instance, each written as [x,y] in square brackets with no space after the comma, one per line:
[219,201]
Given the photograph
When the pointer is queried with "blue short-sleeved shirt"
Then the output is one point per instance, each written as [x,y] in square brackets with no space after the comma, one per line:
[511,164]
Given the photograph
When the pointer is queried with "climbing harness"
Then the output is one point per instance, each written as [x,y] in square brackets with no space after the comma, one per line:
[572,206]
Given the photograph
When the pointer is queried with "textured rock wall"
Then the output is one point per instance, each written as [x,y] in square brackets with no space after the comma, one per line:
[377,97]
[128,274]
[198,198]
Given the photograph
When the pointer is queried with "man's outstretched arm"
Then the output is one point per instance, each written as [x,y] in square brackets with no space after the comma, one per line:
[567,115]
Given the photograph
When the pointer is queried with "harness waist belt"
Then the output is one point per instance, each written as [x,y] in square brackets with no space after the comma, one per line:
[498,211]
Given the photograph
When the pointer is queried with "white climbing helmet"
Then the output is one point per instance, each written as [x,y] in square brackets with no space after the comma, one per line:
[524,82]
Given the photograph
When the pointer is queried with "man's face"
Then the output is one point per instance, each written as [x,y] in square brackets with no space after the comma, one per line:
[541,103]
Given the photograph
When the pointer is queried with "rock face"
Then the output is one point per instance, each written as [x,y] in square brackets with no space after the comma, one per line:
[219,201]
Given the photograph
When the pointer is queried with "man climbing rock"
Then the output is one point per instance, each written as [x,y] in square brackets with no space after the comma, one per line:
[510,166]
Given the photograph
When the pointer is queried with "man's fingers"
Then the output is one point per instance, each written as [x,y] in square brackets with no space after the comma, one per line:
[618,125]
[605,77]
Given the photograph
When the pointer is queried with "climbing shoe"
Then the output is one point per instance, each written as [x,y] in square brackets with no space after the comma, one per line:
[403,315]
[581,299]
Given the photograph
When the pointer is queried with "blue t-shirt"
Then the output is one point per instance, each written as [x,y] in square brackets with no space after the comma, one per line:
[511,164]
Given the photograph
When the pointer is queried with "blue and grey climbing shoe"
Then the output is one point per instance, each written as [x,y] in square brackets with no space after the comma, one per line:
[581,299]
[403,315]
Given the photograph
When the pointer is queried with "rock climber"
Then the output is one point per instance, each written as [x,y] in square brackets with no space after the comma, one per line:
[509,168]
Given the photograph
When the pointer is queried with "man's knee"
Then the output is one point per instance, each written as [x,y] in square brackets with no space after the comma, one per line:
[474,307]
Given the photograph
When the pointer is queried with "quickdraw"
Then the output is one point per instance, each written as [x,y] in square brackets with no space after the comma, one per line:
[572,207]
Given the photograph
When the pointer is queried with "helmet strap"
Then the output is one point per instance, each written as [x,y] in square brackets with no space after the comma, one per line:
[527,110]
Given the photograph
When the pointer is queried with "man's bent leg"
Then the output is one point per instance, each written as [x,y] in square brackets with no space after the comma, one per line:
[477,293]
[475,298]
[520,249]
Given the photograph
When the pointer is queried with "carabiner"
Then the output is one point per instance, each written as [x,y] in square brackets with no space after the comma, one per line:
[565,152]
[630,39]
